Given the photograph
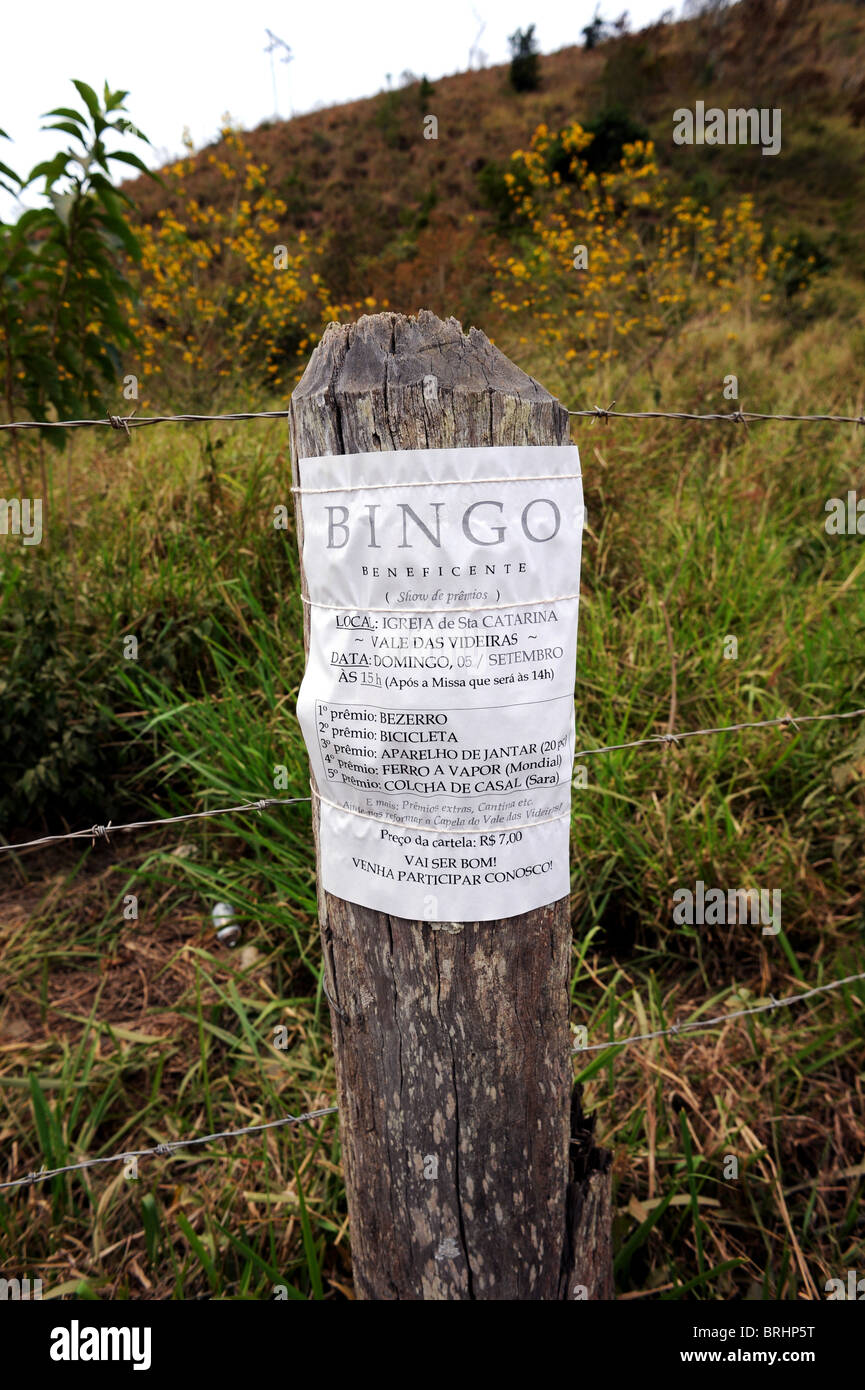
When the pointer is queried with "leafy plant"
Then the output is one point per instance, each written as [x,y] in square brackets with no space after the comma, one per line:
[55,722]
[611,130]
[62,269]
[525,67]
[498,193]
[7,173]
[801,258]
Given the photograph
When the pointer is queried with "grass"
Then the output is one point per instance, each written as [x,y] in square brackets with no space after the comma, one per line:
[737,1152]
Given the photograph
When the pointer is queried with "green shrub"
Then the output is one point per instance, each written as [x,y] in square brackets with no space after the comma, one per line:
[499,197]
[803,259]
[63,280]
[56,726]
[525,66]
[612,129]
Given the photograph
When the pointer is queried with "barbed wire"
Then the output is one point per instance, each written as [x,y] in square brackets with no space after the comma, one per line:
[97,832]
[135,422]
[784,719]
[126,423]
[690,1027]
[104,832]
[734,417]
[163,1150]
[169,1147]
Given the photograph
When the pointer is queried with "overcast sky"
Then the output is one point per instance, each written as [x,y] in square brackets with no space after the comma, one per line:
[186,64]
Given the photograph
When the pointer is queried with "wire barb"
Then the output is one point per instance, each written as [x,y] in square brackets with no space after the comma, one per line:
[600,414]
[165,1149]
[698,1024]
[666,739]
[121,422]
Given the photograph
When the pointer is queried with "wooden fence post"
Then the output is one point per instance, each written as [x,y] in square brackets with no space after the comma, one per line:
[451,1041]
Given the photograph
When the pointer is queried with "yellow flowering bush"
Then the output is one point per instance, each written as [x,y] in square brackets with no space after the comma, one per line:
[612,258]
[227,293]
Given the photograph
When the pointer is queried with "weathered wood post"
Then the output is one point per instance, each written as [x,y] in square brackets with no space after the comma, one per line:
[451,1040]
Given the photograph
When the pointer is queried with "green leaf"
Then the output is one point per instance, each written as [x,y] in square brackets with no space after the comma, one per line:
[69,128]
[204,1255]
[128,159]
[641,1235]
[69,112]
[259,1261]
[46,1127]
[51,169]
[90,98]
[312,1261]
[125,127]
[113,100]
[601,1059]
[124,235]
[702,1278]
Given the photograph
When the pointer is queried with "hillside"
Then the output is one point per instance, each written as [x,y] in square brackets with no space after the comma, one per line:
[410,220]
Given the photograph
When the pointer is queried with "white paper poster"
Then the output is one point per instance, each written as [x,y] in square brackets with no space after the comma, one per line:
[438,699]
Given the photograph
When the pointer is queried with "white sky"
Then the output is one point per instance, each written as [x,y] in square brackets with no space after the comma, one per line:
[187,64]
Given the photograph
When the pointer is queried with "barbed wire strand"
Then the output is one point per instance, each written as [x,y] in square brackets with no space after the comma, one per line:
[162,1150]
[133,421]
[735,417]
[721,1018]
[784,719]
[105,832]
[126,423]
